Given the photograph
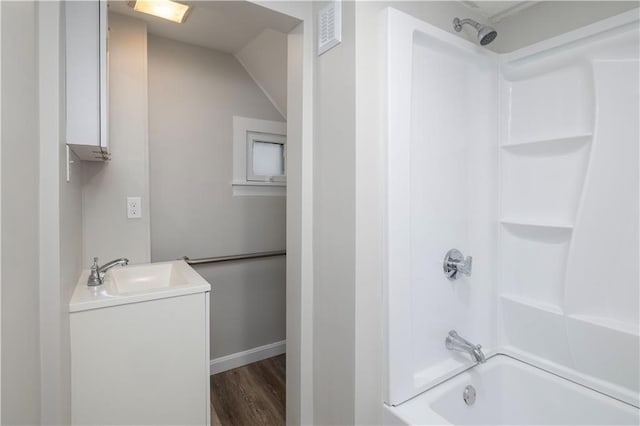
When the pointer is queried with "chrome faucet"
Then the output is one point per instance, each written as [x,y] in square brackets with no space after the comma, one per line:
[96,276]
[456,343]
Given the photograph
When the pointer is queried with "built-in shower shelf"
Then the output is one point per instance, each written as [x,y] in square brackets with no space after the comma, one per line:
[551,225]
[552,144]
[532,303]
[630,328]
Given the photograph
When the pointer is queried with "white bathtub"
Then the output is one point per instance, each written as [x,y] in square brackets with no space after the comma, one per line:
[510,392]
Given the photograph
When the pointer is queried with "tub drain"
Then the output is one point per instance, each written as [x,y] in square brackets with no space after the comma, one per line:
[469,395]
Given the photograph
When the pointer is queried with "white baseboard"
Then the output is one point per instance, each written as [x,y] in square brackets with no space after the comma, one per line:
[239,359]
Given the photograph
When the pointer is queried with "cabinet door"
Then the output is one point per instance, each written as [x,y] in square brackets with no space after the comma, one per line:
[141,363]
[86,78]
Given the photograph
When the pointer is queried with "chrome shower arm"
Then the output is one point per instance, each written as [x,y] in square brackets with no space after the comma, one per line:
[458,23]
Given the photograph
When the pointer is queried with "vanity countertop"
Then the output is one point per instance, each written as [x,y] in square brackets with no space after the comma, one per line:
[138,283]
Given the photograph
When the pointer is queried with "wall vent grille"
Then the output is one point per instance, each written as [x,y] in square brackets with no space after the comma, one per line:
[330,27]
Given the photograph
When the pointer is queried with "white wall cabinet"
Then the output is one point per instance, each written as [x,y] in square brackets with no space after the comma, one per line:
[142,363]
[86,30]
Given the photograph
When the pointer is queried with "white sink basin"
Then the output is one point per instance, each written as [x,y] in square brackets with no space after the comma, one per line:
[138,283]
[136,278]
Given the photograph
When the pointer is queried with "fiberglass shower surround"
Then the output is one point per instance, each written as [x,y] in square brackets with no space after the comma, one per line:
[527,161]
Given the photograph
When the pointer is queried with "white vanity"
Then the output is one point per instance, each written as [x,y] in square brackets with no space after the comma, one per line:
[140,347]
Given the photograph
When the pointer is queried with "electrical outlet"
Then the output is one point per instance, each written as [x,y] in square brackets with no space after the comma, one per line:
[134,207]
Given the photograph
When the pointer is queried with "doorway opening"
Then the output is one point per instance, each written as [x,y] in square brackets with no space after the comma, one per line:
[229,62]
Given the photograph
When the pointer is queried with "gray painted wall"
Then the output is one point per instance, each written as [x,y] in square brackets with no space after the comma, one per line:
[20,277]
[107,232]
[60,221]
[334,225]
[41,218]
[193,95]
[247,304]
[265,59]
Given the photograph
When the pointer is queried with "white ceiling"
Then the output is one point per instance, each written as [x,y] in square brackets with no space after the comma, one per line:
[226,26]
[495,11]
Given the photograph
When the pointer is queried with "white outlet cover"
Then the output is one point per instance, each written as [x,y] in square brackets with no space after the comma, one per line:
[134,207]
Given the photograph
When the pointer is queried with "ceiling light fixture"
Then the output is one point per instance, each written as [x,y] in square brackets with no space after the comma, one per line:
[167,9]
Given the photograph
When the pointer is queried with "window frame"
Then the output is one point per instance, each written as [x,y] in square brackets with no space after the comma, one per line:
[252,138]
[243,128]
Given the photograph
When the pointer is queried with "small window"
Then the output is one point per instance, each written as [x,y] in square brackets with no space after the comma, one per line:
[259,157]
[265,157]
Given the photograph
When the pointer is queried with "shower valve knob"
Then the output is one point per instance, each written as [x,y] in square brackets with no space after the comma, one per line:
[455,264]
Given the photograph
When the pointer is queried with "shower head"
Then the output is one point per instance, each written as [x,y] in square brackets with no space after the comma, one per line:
[486,34]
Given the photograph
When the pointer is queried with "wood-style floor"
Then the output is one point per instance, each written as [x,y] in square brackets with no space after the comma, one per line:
[250,395]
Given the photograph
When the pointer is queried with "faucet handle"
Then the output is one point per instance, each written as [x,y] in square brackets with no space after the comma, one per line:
[94,277]
[455,264]
[464,267]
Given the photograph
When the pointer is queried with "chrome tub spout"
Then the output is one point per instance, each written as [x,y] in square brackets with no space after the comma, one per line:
[455,342]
